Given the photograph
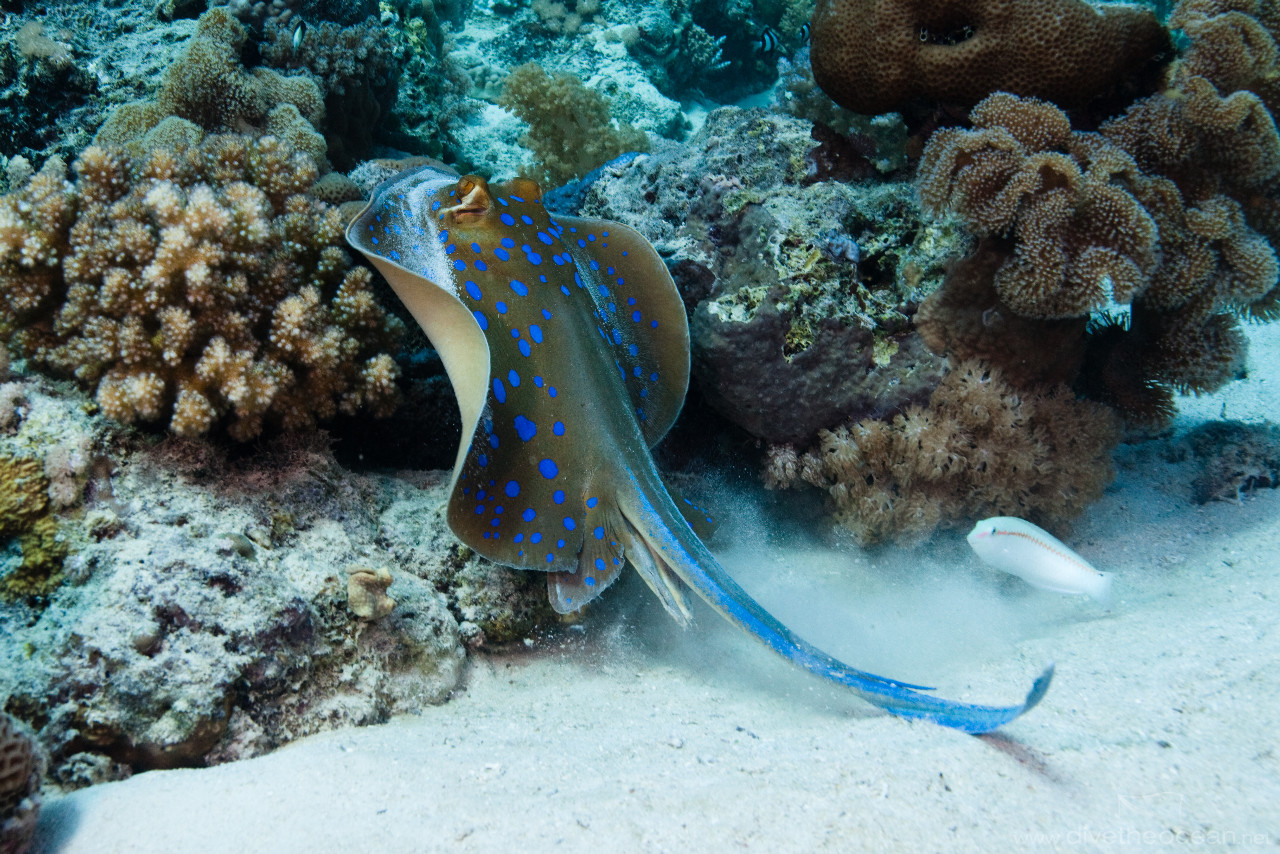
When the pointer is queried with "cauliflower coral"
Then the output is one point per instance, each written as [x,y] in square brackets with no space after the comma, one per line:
[198,285]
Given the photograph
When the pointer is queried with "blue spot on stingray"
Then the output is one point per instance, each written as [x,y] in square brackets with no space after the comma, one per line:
[518,538]
[535,538]
[537,381]
[479,509]
[593,501]
[599,532]
[558,496]
[507,219]
[564,290]
[499,390]
[515,332]
[546,315]
[548,468]
[498,510]
[544,237]
[604,291]
[502,254]
[631,300]
[653,324]
[577,279]
[560,260]
[525,428]
[644,392]
[558,428]
[653,378]
[525,349]
[535,332]
[435,206]
[591,237]
[481,319]
[635,315]
[443,236]
[529,514]
[516,198]
[512,489]
[493,441]
[550,558]
[482,461]
[459,265]
[551,390]
[533,258]
[450,249]
[525,218]
[636,370]
[589,581]
[473,290]
[559,544]
[520,287]
[480,265]
[475,247]
[501,307]
[374,239]
[502,201]
[513,378]
[595,265]
[582,244]
[633,350]
[508,242]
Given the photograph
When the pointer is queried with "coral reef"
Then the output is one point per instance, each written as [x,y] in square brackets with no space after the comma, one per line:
[209,87]
[205,613]
[570,130]
[1073,225]
[879,56]
[358,70]
[980,448]
[790,334]
[196,285]
[1233,458]
[21,767]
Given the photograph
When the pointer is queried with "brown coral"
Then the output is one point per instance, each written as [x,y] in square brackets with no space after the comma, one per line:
[195,285]
[209,88]
[570,130]
[1081,240]
[879,56]
[979,449]
[21,764]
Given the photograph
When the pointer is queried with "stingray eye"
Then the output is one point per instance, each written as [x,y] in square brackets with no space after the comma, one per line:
[473,202]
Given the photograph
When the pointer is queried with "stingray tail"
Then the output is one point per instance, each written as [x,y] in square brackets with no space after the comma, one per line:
[663,548]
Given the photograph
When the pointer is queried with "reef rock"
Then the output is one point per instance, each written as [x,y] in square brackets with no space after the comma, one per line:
[800,289]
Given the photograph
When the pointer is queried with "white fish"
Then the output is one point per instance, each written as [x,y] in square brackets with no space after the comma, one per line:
[1039,558]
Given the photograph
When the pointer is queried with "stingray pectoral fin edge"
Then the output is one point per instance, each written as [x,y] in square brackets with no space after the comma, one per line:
[671,541]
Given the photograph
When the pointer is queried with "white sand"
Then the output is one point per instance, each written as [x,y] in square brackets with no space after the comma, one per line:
[1160,728]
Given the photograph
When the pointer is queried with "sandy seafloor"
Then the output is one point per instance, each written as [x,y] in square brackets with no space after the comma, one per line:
[1161,730]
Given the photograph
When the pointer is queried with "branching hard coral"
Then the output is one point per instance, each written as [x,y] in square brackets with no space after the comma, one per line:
[197,286]
[979,449]
[570,132]
[880,56]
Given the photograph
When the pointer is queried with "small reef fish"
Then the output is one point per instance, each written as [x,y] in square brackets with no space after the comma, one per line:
[1039,558]
[299,34]
[805,33]
[768,41]
[567,345]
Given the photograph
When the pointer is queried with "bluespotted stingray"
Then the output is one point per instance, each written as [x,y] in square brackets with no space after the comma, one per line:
[567,345]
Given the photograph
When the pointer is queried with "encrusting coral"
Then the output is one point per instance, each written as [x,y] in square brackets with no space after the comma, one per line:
[25,516]
[196,285]
[570,131]
[980,448]
[880,56]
